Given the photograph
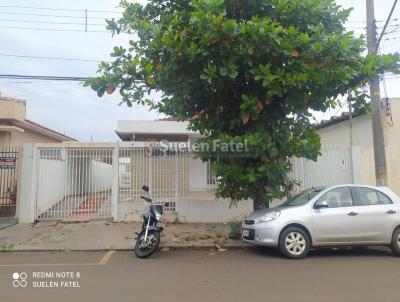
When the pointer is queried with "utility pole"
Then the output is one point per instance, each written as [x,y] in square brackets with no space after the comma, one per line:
[377,128]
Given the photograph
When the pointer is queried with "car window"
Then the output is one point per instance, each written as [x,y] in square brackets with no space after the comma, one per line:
[384,199]
[368,197]
[302,198]
[338,197]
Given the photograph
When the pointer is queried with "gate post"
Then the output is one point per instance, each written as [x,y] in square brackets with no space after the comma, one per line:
[115,182]
[28,184]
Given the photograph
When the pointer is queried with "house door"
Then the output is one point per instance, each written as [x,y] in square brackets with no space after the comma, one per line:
[8,180]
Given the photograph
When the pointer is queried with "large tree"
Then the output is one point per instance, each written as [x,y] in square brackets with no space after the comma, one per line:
[241,70]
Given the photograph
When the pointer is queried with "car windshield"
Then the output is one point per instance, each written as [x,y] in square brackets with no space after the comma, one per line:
[302,198]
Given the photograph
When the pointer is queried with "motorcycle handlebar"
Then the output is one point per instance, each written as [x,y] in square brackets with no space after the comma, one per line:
[145,198]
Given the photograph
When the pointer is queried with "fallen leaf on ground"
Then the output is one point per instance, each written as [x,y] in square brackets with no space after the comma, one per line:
[212,253]
[165,249]
[128,221]
[127,237]
[221,250]
[174,239]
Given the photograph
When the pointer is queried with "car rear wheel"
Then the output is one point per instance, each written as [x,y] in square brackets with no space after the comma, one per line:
[294,243]
[396,242]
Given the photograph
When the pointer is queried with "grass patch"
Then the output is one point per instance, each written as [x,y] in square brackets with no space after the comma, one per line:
[6,247]
[190,238]
[235,229]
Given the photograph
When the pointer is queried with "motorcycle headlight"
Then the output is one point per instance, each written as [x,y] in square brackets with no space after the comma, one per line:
[158,216]
[269,216]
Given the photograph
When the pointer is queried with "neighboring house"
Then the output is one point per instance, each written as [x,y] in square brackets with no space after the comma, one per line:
[15,129]
[336,131]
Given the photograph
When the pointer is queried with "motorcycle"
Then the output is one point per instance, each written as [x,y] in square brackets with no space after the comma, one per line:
[148,239]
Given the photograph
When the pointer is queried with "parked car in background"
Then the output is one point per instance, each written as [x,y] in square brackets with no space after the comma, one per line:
[331,216]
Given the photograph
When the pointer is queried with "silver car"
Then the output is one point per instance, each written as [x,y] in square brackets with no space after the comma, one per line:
[341,215]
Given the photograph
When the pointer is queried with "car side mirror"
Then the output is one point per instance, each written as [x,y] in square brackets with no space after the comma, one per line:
[321,204]
[146,188]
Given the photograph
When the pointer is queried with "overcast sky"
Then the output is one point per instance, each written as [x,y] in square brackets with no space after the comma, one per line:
[75,110]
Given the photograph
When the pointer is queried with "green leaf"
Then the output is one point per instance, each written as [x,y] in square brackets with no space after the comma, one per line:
[223,71]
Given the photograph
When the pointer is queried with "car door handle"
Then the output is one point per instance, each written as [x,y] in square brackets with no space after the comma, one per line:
[391,212]
[352,214]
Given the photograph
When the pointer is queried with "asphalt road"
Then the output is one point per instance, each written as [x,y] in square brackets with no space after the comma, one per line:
[252,275]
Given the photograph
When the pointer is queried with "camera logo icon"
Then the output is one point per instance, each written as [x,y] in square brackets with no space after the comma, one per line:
[19,279]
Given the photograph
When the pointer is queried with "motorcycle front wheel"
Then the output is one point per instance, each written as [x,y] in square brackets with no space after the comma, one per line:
[146,249]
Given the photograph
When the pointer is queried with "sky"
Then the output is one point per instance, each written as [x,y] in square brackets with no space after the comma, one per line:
[74,110]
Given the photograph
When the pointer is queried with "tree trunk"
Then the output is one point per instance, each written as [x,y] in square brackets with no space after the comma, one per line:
[259,201]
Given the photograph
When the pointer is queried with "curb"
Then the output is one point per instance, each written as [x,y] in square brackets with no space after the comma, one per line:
[172,247]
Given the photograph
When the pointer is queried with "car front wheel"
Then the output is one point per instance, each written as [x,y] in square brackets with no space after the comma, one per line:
[294,243]
[396,242]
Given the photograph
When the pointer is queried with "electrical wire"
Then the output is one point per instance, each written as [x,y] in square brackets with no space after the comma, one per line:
[60,9]
[49,22]
[56,29]
[386,24]
[54,16]
[49,58]
[42,77]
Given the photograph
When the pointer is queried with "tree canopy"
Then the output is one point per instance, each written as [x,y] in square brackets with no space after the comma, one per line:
[241,70]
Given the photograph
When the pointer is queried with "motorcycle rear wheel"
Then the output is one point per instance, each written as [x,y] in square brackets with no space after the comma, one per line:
[144,252]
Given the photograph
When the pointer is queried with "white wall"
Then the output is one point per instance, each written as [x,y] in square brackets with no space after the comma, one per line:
[155,127]
[339,134]
[51,183]
[101,176]
[205,211]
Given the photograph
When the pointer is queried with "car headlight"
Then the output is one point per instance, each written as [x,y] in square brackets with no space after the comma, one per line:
[269,216]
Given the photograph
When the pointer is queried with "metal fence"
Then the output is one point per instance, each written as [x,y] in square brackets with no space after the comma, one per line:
[74,183]
[78,180]
[8,180]
[333,166]
[172,176]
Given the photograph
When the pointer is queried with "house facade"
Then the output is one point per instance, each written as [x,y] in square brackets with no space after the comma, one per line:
[15,131]
[70,180]
[335,134]
[336,131]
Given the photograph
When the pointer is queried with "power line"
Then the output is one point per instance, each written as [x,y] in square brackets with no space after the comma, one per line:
[49,22]
[50,58]
[42,77]
[55,29]
[61,9]
[55,16]
[386,24]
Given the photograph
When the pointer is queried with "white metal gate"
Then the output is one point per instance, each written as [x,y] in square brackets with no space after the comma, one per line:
[334,166]
[74,182]
[165,172]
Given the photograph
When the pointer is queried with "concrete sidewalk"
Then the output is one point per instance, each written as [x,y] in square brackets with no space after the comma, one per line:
[103,235]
